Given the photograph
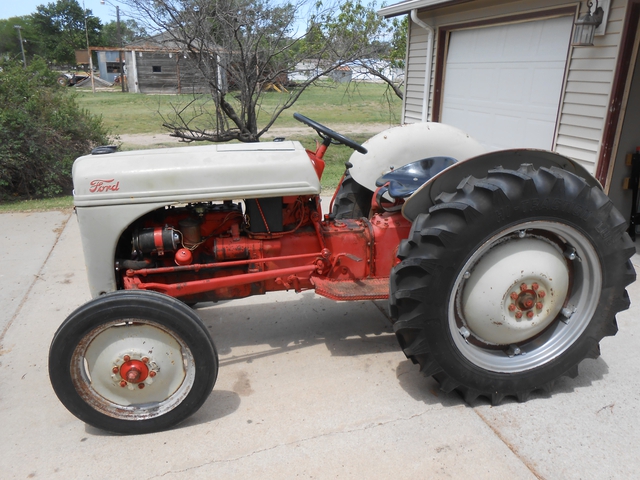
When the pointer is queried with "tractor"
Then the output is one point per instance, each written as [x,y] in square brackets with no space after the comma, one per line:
[503,270]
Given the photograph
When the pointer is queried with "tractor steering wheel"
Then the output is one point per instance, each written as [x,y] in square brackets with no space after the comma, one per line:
[325,133]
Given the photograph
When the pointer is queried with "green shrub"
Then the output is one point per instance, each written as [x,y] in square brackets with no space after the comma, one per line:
[42,131]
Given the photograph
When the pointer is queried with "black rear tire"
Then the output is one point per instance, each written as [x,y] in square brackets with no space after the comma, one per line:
[133,362]
[352,201]
[493,243]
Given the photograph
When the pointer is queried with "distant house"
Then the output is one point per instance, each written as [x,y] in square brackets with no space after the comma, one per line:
[160,65]
[352,71]
[360,73]
[305,70]
[109,65]
[507,72]
[155,65]
[341,74]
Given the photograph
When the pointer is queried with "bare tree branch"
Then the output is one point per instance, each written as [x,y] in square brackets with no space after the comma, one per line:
[242,47]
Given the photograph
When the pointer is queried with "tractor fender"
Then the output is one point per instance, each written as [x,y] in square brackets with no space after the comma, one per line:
[407,143]
[447,180]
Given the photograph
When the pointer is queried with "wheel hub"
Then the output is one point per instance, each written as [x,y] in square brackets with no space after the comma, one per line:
[131,370]
[528,302]
[515,291]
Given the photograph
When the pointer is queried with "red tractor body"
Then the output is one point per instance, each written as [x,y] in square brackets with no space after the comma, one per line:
[293,248]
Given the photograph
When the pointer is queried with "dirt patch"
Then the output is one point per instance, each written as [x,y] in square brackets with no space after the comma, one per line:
[290,133]
[147,139]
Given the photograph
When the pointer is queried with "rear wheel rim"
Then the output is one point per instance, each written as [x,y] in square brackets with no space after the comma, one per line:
[575,310]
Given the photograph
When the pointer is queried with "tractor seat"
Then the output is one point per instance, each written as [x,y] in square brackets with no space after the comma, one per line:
[407,179]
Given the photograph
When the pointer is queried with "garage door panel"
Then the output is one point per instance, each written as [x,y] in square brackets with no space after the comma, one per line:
[542,77]
[510,126]
[478,84]
[539,134]
[513,85]
[520,43]
[457,79]
[503,83]
[483,41]
[481,121]
[553,42]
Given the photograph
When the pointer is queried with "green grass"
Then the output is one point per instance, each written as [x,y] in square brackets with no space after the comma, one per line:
[328,103]
[42,205]
[335,159]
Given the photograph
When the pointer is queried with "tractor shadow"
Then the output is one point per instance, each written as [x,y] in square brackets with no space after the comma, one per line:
[290,322]
[254,329]
[427,389]
[258,328]
[219,404]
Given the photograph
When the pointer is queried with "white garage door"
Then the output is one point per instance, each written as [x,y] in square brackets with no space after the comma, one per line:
[503,83]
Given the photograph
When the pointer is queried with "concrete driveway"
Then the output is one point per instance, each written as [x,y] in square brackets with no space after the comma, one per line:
[308,388]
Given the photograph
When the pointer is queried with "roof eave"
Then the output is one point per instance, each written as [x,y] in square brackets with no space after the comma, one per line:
[408,5]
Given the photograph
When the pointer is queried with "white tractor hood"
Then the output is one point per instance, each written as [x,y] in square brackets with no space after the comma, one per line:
[191,174]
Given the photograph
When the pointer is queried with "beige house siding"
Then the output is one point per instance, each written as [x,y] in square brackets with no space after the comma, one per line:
[415,75]
[587,92]
[589,76]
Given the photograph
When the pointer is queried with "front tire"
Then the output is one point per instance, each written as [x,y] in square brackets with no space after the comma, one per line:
[353,201]
[509,282]
[132,362]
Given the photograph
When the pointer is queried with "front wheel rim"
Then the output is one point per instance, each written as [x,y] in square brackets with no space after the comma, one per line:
[574,310]
[132,369]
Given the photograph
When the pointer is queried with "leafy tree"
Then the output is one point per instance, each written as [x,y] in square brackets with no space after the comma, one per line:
[398,49]
[61,26]
[358,24]
[129,30]
[10,42]
[42,131]
[242,47]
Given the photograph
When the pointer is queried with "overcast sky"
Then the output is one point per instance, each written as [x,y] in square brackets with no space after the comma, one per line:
[18,8]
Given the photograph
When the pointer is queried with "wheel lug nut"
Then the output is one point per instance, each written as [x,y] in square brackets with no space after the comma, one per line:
[145,360]
[152,373]
[535,286]
[530,314]
[523,287]
[512,308]
[126,358]
[115,369]
[541,293]
[518,314]
[514,296]
[141,386]
[539,305]
[123,383]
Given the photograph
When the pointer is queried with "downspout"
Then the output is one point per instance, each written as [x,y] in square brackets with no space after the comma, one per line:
[427,76]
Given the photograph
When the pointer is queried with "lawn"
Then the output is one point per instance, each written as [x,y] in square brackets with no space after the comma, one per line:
[328,104]
[43,205]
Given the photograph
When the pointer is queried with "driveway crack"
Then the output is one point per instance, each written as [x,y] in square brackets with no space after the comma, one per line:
[511,447]
[296,442]
[35,279]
